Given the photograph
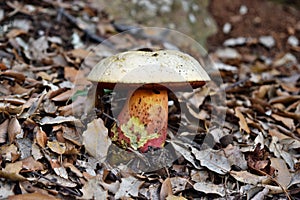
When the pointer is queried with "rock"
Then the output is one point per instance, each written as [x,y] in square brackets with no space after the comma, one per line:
[293,41]
[227,28]
[228,53]
[235,41]
[243,10]
[287,59]
[267,41]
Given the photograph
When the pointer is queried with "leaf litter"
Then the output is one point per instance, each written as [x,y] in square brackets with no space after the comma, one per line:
[45,144]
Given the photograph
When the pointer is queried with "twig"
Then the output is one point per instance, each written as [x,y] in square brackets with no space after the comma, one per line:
[237,83]
[273,179]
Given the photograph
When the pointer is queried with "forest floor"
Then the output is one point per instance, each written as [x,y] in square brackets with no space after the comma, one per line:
[239,137]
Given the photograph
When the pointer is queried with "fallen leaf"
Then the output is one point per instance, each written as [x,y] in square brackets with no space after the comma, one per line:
[13,167]
[129,187]
[63,96]
[9,152]
[32,196]
[212,160]
[247,177]
[30,164]
[173,197]
[283,177]
[58,180]
[288,122]
[14,130]
[96,140]
[57,147]
[166,189]
[186,153]
[59,120]
[92,190]
[12,176]
[261,195]
[178,184]
[41,137]
[18,76]
[6,190]
[210,188]
[242,122]
[235,156]
[3,131]
[24,146]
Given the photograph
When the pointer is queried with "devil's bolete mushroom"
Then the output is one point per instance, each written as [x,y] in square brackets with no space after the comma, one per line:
[147,76]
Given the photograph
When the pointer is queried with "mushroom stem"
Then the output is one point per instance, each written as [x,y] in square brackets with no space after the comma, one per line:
[143,120]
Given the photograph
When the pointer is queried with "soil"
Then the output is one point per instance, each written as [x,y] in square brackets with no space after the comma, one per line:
[284,21]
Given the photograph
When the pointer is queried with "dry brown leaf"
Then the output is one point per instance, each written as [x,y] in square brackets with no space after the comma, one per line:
[213,160]
[166,189]
[59,120]
[63,96]
[210,188]
[18,76]
[276,133]
[173,197]
[30,164]
[73,169]
[235,156]
[15,32]
[11,172]
[13,100]
[247,177]
[129,187]
[92,190]
[57,147]
[285,99]
[11,109]
[13,167]
[96,140]
[12,176]
[284,176]
[32,196]
[79,53]
[242,121]
[286,121]
[41,137]
[3,131]
[14,129]
[178,184]
[9,152]
[76,76]
[71,134]
[49,106]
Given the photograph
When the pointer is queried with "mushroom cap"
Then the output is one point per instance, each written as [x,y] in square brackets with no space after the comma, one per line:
[163,67]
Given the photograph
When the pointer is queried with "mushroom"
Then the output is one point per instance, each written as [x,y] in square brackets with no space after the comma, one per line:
[147,76]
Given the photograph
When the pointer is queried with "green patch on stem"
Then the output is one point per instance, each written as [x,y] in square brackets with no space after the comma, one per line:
[137,133]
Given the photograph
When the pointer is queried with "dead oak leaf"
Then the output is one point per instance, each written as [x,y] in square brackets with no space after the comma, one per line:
[213,160]
[96,140]
[242,121]
[248,178]
[32,196]
[41,137]
[129,187]
[284,176]
[14,130]
[57,147]
[210,188]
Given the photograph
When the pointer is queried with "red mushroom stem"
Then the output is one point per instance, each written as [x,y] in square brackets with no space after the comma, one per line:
[143,120]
